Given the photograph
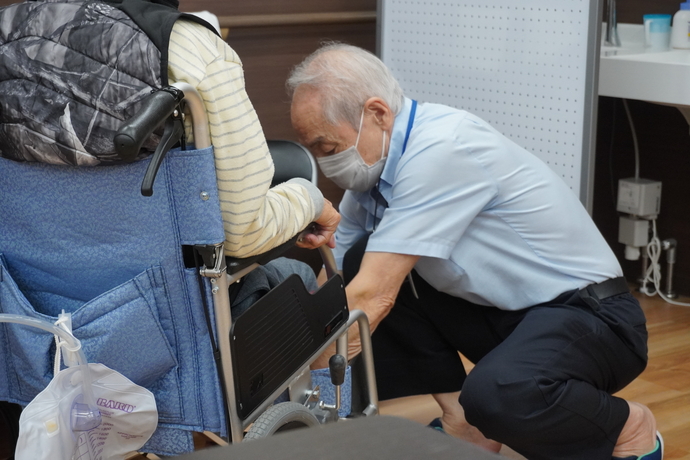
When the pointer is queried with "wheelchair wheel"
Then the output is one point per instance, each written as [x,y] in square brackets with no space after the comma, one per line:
[281,417]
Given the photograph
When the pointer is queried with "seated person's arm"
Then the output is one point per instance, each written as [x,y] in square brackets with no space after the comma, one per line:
[256,217]
[324,230]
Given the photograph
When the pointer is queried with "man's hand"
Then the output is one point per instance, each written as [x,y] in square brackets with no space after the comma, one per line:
[323,230]
[373,291]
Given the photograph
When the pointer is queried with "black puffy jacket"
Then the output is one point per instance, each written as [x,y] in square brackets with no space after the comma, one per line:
[72,70]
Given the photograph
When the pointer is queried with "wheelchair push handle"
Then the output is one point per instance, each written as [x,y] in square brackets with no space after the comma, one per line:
[156,109]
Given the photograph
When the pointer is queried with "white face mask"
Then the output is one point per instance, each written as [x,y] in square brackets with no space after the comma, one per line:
[349,171]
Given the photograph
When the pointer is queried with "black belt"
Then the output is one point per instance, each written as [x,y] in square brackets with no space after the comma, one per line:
[594,293]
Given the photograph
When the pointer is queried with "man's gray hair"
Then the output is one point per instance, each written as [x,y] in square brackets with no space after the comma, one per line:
[345,76]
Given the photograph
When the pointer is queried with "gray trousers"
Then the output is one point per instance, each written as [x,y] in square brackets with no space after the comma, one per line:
[258,282]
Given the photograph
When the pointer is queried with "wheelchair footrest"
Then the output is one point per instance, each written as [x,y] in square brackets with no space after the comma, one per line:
[279,334]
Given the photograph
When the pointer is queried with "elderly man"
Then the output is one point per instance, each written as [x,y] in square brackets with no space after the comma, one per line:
[474,245]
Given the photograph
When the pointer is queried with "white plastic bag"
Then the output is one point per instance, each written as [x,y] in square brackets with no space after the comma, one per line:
[128,411]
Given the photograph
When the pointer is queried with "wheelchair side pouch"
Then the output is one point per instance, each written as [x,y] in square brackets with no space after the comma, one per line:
[120,329]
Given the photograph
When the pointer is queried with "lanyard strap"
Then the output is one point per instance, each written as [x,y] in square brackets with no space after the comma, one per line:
[375,193]
[410,122]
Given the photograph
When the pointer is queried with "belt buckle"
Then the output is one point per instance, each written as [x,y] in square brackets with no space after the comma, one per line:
[590,298]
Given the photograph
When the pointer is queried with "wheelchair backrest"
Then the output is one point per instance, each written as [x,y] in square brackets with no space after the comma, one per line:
[86,241]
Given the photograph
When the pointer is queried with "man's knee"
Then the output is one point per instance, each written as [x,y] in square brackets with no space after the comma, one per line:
[498,405]
[480,399]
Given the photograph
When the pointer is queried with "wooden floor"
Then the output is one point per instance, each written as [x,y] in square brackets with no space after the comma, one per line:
[664,386]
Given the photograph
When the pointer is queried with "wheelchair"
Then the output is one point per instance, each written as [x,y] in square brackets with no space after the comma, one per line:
[141,268]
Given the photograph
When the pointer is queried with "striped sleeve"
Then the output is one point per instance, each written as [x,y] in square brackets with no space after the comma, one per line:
[256,217]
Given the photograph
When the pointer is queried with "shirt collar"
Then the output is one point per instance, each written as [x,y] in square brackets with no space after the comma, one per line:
[395,148]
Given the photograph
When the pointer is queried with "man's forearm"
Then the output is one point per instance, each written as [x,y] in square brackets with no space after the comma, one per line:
[373,291]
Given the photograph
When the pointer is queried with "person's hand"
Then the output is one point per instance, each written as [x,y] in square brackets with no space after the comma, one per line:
[322,231]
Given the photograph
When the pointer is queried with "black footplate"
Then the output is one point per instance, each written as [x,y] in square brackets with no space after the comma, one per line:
[277,335]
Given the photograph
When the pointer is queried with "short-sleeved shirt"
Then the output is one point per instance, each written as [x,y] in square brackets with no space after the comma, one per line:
[492,223]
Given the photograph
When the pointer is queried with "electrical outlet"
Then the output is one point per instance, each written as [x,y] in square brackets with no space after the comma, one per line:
[639,197]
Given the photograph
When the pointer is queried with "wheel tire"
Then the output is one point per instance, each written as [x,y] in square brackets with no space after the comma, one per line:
[281,417]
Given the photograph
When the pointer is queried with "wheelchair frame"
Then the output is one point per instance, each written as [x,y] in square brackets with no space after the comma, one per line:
[215,270]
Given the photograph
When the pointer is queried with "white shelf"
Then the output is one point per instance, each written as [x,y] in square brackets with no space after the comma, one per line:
[630,72]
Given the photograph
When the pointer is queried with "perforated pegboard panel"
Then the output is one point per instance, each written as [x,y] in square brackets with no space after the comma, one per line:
[528,67]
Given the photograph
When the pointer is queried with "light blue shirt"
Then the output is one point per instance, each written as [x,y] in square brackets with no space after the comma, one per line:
[492,223]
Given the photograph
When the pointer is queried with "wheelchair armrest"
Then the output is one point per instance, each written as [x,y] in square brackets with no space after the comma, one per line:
[237,264]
